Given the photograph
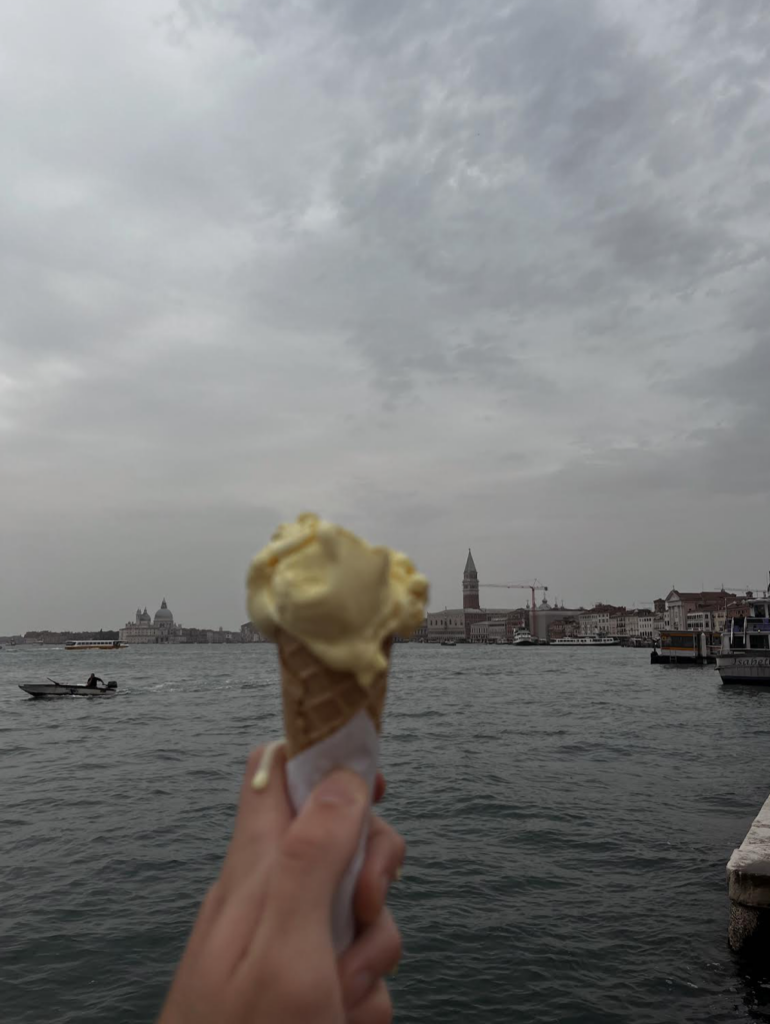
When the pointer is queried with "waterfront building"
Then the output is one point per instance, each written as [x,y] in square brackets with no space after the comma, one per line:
[630,624]
[612,620]
[566,626]
[600,619]
[545,614]
[640,623]
[646,624]
[222,636]
[479,633]
[459,623]
[191,635]
[496,630]
[680,603]
[160,630]
[449,624]
[618,623]
[701,620]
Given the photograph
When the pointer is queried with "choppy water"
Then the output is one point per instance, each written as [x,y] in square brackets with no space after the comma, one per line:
[569,814]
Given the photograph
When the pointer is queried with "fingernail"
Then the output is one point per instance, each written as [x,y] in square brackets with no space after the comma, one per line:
[360,985]
[399,874]
[394,972]
[339,788]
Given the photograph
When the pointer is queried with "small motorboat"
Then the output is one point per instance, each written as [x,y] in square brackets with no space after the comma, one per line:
[448,643]
[54,689]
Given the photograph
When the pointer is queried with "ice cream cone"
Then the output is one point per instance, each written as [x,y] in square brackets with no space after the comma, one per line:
[317,701]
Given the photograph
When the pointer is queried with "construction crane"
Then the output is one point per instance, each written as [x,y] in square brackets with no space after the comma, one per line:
[532,587]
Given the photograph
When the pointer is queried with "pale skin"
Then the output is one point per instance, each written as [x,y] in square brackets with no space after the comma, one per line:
[261,949]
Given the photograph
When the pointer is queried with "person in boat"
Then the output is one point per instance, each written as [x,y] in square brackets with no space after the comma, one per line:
[92,681]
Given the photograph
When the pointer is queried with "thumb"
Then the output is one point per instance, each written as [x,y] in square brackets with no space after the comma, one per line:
[317,848]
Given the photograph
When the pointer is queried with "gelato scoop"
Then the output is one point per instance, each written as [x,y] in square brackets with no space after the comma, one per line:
[338,596]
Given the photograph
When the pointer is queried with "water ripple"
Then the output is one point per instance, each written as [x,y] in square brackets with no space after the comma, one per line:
[568,814]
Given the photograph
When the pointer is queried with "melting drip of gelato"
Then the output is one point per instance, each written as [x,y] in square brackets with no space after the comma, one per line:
[261,777]
[337,595]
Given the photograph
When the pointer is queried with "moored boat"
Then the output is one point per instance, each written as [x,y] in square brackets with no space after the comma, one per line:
[585,641]
[523,638]
[53,689]
[745,654]
[448,643]
[686,647]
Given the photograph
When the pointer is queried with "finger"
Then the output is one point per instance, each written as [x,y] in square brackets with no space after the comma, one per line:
[377,1008]
[374,953]
[317,847]
[231,933]
[382,866]
[261,821]
[207,915]
[380,786]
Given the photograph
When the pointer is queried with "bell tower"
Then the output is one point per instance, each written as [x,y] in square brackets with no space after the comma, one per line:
[470,583]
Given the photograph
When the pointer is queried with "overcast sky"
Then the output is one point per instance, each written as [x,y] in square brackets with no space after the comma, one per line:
[488,274]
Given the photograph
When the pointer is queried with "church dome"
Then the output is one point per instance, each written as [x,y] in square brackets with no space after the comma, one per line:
[163,614]
[145,617]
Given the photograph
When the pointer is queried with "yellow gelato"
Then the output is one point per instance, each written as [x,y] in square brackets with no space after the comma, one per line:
[337,595]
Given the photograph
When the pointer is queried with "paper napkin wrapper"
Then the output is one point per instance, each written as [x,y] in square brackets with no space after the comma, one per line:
[355,746]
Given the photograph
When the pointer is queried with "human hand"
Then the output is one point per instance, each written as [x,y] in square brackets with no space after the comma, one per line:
[261,949]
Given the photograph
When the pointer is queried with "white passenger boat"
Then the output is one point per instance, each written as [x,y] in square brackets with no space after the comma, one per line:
[745,654]
[94,645]
[53,689]
[585,641]
[523,638]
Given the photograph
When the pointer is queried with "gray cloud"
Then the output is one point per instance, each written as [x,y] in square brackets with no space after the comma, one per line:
[461,274]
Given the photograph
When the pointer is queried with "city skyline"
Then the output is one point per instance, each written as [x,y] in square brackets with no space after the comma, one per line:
[469,594]
[518,302]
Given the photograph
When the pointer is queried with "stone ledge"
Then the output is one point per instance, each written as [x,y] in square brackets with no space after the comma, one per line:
[748,885]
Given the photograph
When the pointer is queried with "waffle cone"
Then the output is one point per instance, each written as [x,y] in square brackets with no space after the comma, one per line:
[317,701]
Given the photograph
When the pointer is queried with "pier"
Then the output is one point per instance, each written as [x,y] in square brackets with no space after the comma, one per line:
[686,647]
[748,881]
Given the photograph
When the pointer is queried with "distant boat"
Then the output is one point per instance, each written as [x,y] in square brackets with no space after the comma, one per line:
[585,641]
[54,689]
[94,645]
[448,643]
[523,638]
